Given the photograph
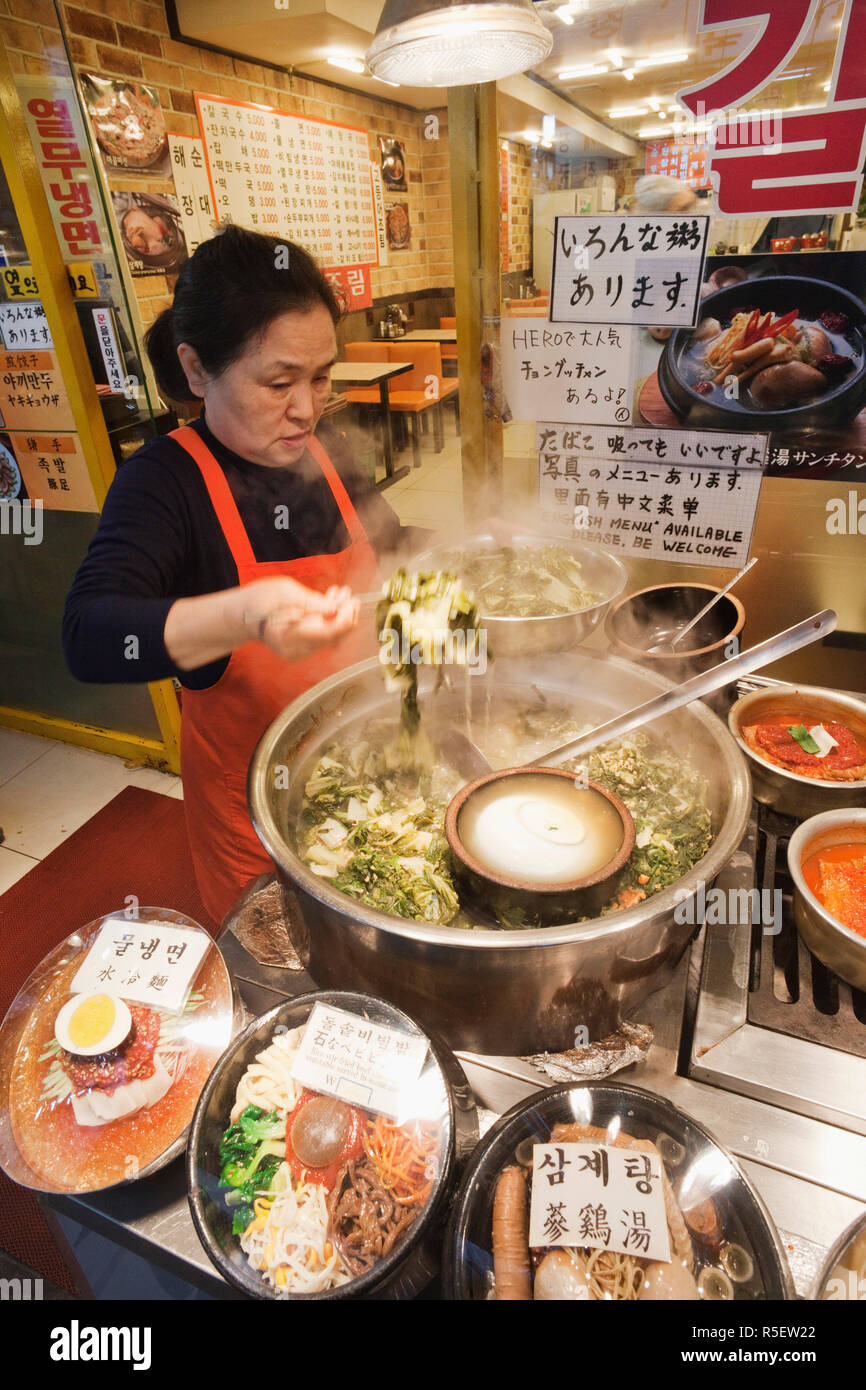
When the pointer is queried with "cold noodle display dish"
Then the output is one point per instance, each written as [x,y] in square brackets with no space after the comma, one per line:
[106,1048]
[320,1149]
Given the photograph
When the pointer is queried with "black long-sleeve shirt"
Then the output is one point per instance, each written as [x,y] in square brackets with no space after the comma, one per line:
[159,540]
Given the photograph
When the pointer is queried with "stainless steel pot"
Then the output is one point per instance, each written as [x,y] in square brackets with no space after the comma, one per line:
[603,574]
[785,791]
[493,991]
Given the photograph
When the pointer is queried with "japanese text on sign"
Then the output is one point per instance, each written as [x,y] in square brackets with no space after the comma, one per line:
[291,176]
[152,962]
[678,495]
[605,1197]
[815,163]
[24,326]
[554,372]
[365,1063]
[633,269]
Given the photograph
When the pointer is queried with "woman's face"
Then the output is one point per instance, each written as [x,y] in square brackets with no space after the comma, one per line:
[148,235]
[266,404]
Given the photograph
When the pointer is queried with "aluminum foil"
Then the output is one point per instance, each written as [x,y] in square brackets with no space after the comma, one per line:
[630,1043]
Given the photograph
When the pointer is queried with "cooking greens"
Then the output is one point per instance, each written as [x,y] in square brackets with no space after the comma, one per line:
[529,581]
[251,1153]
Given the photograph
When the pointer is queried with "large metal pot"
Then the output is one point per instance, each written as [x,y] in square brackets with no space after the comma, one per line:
[493,991]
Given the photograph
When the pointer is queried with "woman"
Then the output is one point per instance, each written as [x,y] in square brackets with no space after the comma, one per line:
[227,551]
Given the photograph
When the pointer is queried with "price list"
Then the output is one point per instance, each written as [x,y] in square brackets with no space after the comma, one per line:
[287,175]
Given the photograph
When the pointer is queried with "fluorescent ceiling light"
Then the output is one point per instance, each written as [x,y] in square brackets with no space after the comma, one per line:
[660,60]
[650,131]
[548,126]
[628,74]
[350,64]
[427,43]
[564,13]
[582,72]
[615,56]
[623,112]
[654,103]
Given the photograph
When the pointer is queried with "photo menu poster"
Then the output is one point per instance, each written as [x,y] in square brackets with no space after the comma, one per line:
[286,175]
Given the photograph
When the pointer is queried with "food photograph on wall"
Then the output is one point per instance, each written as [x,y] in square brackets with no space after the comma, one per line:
[433,665]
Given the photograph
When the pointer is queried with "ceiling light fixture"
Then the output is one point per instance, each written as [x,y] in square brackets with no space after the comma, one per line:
[649,132]
[615,56]
[427,43]
[594,71]
[660,60]
[628,74]
[341,60]
[623,112]
[564,13]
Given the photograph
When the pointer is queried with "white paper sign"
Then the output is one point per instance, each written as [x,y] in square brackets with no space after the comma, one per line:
[114,364]
[685,496]
[554,372]
[645,268]
[151,962]
[379,205]
[363,1063]
[596,1195]
[24,325]
[192,188]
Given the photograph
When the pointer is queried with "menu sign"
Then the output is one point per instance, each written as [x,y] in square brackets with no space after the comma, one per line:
[597,1195]
[192,188]
[33,395]
[637,269]
[55,471]
[153,962]
[553,372]
[24,326]
[684,496]
[365,1063]
[687,160]
[287,175]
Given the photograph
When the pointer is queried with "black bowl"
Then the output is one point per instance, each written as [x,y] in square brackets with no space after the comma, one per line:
[414,1260]
[781,294]
[655,615]
[698,1167]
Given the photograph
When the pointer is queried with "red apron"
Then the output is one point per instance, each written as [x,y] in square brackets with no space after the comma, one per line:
[221,726]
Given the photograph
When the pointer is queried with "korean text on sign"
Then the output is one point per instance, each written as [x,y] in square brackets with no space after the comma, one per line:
[153,962]
[643,269]
[596,1195]
[362,1062]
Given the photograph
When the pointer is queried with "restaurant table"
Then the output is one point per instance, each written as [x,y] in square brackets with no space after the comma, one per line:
[430,335]
[810,1174]
[352,374]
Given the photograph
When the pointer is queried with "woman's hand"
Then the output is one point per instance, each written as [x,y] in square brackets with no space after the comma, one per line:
[293,620]
[288,617]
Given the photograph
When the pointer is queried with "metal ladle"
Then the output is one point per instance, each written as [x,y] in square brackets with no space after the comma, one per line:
[471,762]
[668,646]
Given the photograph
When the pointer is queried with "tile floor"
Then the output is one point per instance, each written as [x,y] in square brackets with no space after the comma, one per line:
[431,495]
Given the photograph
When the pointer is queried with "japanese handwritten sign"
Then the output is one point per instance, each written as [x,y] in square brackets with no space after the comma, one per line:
[192,188]
[628,269]
[289,175]
[605,1197]
[342,1054]
[152,962]
[55,471]
[553,372]
[680,495]
[24,325]
[814,162]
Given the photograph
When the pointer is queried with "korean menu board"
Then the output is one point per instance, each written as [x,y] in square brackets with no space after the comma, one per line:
[287,175]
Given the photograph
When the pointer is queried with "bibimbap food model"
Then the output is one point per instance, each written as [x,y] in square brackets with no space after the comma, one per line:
[106,1048]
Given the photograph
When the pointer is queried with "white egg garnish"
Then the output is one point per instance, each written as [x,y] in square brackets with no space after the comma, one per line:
[540,828]
[90,1024]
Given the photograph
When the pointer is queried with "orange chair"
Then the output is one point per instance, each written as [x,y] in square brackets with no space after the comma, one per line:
[410,394]
[449,350]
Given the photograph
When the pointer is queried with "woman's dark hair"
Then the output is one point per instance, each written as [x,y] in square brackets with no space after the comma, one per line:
[232,287]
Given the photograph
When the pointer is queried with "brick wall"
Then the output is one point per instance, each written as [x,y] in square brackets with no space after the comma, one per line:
[129,38]
[529,172]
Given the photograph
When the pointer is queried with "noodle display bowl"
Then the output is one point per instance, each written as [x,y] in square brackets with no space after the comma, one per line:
[514,636]
[779,293]
[487,990]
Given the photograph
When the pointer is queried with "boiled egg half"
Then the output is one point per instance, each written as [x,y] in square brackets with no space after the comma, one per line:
[90,1024]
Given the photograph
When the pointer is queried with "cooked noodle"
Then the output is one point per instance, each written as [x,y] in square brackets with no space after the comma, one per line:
[288,1240]
[613,1275]
[267,1082]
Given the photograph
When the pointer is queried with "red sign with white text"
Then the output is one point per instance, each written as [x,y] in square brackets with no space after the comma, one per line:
[351,284]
